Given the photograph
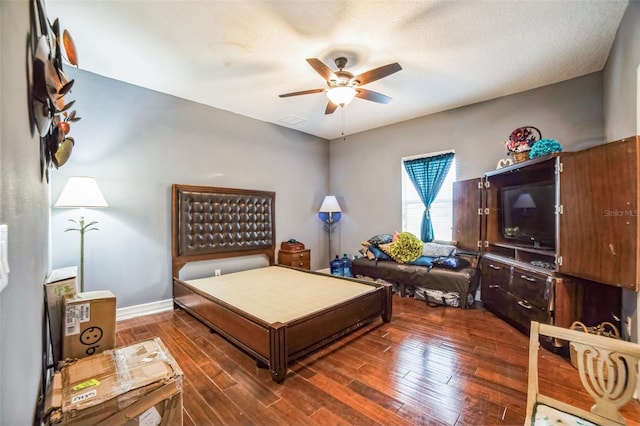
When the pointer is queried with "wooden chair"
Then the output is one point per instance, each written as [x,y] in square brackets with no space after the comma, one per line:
[608,369]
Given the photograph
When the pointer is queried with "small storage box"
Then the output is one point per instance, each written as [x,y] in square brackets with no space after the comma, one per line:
[135,385]
[89,321]
[287,246]
[60,283]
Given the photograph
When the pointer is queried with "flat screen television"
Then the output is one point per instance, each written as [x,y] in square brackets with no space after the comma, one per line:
[528,214]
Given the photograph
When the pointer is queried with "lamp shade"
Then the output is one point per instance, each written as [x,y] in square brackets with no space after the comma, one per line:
[524,201]
[81,191]
[341,95]
[330,205]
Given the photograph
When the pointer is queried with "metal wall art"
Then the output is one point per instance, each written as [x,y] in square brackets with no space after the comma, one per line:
[50,112]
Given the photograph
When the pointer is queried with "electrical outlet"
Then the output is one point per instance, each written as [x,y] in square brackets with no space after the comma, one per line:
[217,273]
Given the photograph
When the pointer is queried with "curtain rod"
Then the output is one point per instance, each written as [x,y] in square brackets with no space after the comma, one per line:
[432,154]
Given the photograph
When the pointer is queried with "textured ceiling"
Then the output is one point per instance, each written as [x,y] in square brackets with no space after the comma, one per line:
[240,55]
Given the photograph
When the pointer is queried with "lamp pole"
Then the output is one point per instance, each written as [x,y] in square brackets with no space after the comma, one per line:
[330,224]
[82,228]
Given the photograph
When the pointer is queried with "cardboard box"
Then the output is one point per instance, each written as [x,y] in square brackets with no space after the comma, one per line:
[89,323]
[61,282]
[139,384]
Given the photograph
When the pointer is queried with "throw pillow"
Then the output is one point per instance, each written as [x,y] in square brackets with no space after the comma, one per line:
[452,262]
[377,253]
[376,240]
[423,261]
[437,250]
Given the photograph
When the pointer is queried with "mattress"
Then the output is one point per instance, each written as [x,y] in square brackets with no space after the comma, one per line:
[276,294]
[463,281]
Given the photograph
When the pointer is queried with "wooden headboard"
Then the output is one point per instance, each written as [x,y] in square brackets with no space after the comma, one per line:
[215,223]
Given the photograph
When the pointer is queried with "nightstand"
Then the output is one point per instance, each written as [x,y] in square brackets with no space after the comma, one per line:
[295,258]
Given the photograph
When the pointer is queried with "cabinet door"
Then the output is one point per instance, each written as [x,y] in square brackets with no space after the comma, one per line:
[467,204]
[598,223]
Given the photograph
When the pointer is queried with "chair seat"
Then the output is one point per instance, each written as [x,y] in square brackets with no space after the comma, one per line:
[545,415]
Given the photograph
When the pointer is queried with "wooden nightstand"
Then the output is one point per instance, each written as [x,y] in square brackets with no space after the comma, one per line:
[296,258]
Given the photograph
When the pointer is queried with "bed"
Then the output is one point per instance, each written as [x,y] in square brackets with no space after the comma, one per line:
[437,271]
[463,281]
[275,314]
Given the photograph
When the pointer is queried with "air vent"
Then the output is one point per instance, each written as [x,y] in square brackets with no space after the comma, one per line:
[291,120]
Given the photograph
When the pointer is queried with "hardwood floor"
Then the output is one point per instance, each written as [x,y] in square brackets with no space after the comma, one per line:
[432,366]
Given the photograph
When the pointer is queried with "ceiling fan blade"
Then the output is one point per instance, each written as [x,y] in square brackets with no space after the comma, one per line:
[322,69]
[370,95]
[377,73]
[302,92]
[331,107]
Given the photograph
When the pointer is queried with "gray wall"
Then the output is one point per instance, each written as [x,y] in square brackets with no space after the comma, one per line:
[136,143]
[24,204]
[621,78]
[621,105]
[366,168]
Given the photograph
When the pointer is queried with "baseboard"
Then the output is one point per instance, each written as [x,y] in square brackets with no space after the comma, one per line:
[144,309]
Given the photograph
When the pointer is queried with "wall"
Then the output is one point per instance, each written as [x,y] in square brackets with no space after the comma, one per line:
[366,169]
[622,118]
[24,207]
[620,100]
[136,143]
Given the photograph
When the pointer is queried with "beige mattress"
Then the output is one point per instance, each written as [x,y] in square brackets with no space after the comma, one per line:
[275,294]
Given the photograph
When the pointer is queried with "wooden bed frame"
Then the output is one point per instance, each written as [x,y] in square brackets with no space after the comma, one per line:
[214,223]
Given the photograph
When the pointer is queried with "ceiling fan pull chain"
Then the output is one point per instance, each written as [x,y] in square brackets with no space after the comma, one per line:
[343,137]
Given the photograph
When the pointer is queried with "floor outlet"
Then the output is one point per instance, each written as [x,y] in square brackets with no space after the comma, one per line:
[217,273]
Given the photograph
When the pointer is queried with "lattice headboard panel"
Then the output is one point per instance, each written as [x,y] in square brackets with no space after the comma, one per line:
[210,223]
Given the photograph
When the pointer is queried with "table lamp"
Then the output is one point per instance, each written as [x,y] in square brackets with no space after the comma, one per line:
[81,192]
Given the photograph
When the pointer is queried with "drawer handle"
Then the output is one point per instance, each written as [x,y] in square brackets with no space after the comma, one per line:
[301,254]
[493,286]
[531,280]
[497,268]
[524,304]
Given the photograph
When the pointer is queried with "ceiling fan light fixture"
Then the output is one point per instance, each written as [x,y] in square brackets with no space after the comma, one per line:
[341,95]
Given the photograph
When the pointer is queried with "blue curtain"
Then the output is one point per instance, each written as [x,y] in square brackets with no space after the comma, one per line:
[427,175]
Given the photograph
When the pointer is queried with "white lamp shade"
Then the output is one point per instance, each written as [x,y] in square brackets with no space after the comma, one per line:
[330,205]
[341,95]
[81,191]
[524,201]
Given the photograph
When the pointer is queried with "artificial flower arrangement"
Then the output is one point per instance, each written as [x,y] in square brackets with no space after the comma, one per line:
[522,139]
[544,147]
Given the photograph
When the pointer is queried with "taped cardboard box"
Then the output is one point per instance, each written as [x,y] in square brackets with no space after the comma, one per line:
[60,283]
[139,384]
[89,323]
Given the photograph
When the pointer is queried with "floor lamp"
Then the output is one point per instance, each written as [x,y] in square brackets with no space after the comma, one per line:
[81,192]
[330,213]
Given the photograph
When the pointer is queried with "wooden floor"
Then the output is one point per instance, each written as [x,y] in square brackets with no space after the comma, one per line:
[432,366]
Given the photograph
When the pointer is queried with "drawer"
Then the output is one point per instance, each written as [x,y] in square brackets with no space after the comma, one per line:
[521,313]
[495,274]
[297,259]
[531,287]
[299,263]
[490,295]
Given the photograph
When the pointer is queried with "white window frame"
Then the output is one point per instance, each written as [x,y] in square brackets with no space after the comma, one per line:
[441,209]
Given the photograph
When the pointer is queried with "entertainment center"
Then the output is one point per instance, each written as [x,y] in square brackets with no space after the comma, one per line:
[558,234]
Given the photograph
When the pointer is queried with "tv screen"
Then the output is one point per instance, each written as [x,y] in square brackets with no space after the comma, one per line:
[528,214]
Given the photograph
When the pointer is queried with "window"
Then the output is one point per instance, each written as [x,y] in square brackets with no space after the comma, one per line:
[441,208]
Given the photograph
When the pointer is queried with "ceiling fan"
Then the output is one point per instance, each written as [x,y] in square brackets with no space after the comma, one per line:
[344,86]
